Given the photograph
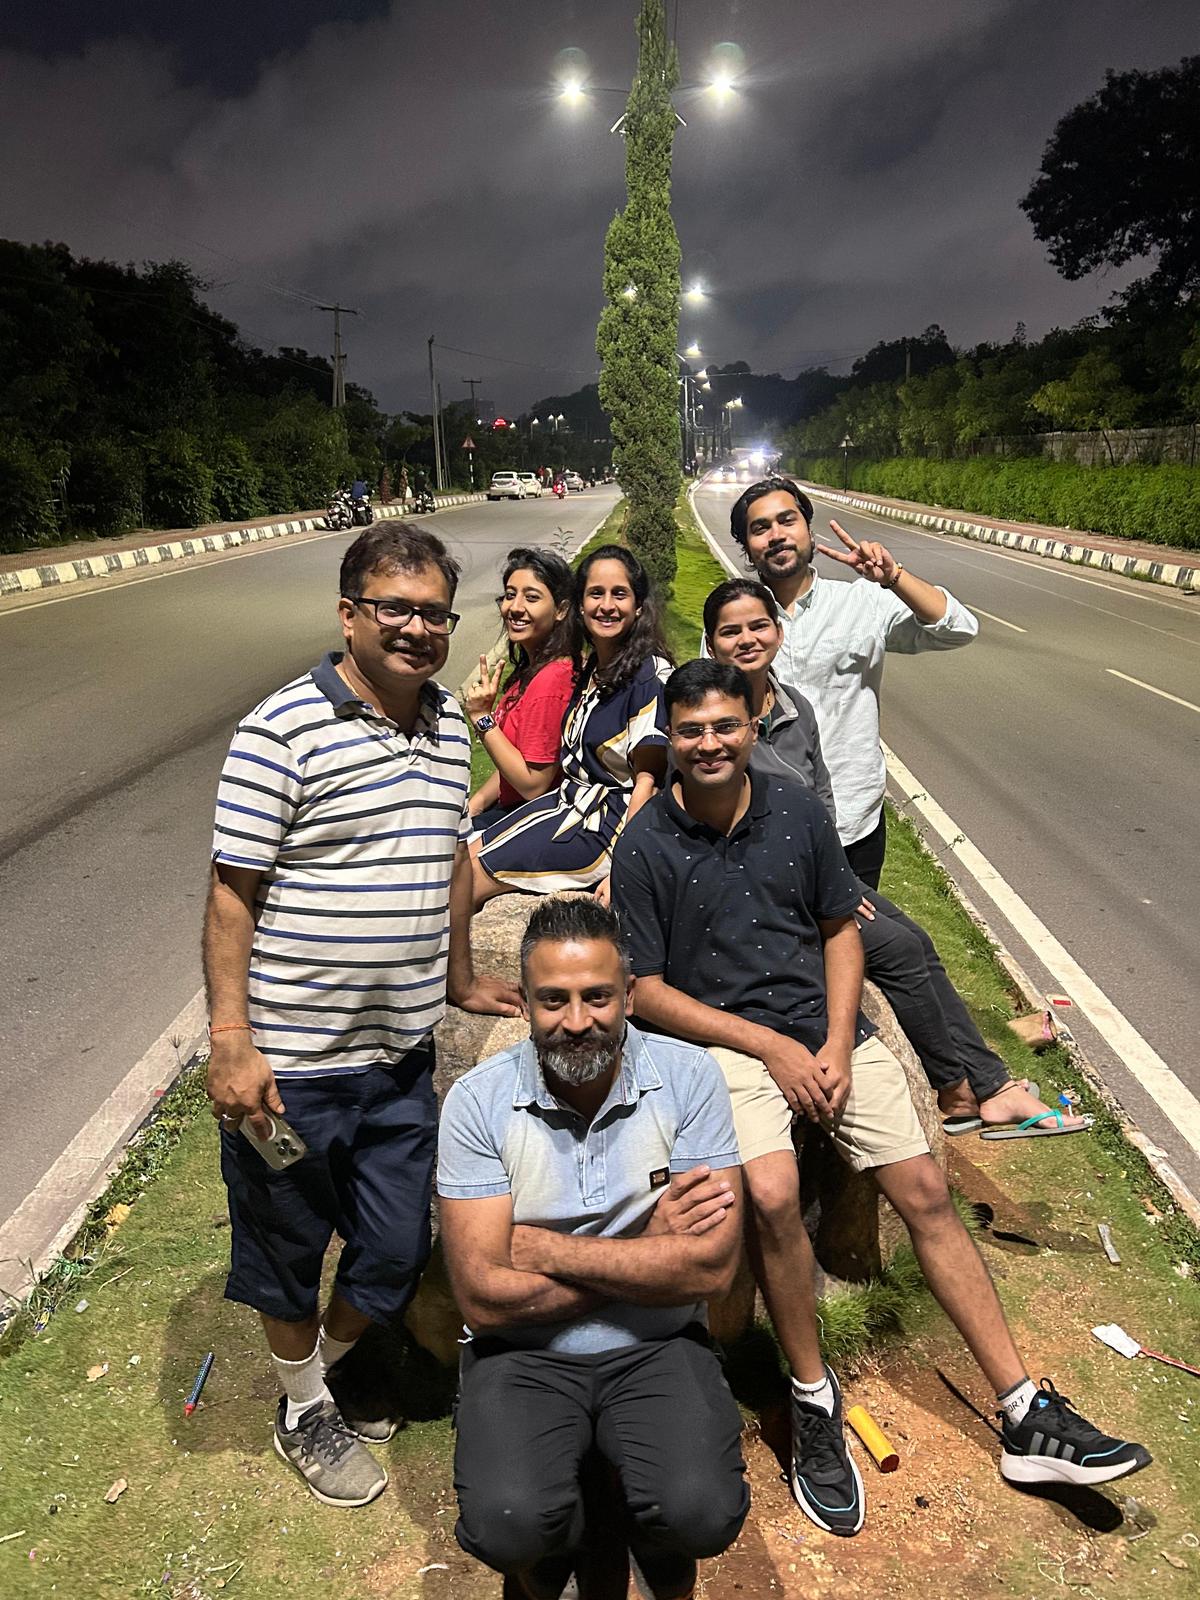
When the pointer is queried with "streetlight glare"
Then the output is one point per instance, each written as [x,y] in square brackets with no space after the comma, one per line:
[571,91]
[696,293]
[721,85]
[693,351]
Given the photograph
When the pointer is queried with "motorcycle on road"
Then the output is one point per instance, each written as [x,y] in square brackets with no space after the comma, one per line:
[362,512]
[340,514]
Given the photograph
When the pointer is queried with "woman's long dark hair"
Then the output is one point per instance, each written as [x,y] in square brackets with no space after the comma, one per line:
[644,639]
[553,571]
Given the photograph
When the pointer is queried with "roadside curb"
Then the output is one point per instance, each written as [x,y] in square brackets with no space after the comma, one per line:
[1155,1157]
[1080,555]
[109,563]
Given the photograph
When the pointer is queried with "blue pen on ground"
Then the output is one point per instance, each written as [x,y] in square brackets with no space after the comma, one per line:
[193,1400]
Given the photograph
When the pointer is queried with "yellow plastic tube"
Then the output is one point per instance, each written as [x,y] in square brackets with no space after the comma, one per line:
[873,1437]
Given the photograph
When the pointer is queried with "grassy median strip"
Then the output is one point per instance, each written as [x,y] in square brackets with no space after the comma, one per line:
[96,1396]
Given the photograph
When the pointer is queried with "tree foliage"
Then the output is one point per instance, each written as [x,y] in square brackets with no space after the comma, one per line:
[638,335]
[125,400]
[1120,179]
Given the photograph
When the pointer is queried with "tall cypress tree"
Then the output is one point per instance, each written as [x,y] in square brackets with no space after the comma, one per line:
[639,327]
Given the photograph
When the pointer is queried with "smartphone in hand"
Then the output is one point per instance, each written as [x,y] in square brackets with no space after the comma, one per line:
[282,1147]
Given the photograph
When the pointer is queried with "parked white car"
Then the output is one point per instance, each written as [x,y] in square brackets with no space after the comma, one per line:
[533,484]
[574,481]
[506,486]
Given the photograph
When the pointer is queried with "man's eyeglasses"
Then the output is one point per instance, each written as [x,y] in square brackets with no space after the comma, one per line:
[693,732]
[398,614]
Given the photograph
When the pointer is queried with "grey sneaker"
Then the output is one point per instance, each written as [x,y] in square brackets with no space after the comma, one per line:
[336,1467]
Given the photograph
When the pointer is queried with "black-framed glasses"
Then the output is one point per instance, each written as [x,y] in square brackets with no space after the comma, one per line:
[399,613]
[693,732]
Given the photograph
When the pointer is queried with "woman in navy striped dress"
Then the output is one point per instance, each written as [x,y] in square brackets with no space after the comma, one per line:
[614,751]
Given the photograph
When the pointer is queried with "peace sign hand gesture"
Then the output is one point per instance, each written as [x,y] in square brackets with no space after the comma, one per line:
[482,691]
[870,559]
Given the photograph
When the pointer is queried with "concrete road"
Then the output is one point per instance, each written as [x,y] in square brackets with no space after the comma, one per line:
[1076,781]
[118,706]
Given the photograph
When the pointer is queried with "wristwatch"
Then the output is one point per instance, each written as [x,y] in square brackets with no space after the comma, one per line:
[484,724]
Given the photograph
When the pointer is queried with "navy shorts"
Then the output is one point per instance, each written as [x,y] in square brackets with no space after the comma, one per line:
[368,1176]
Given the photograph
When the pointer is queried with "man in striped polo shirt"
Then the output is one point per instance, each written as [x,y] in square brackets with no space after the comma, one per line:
[337,925]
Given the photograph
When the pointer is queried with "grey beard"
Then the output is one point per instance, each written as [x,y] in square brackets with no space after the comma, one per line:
[579,1064]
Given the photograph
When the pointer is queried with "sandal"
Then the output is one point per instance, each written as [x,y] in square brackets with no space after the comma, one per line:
[1031,1128]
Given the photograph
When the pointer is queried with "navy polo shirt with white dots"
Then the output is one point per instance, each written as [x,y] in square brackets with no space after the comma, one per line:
[732,920]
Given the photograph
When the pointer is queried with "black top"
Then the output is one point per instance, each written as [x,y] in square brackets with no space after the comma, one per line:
[732,920]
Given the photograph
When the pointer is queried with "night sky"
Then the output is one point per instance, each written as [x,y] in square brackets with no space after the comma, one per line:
[413,160]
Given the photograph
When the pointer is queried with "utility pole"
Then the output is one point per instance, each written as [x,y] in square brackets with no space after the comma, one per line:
[907,360]
[435,403]
[339,360]
[473,384]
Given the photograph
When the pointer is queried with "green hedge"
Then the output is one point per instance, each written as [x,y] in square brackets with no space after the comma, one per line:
[28,506]
[104,488]
[1160,505]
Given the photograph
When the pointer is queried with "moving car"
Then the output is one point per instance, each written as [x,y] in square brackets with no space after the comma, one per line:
[533,484]
[574,481]
[506,486]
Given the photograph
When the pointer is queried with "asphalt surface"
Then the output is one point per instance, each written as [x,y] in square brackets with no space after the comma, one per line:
[119,703]
[1079,786]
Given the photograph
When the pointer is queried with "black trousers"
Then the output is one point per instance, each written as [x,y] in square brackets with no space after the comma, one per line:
[866,855]
[659,1412]
[903,961]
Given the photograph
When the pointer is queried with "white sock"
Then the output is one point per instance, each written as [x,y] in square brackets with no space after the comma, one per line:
[816,1394]
[1015,1402]
[303,1383]
[332,1350]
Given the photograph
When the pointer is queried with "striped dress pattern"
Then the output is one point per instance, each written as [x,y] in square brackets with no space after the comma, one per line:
[353,825]
[563,839]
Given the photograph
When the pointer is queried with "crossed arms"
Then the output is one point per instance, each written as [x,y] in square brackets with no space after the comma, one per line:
[504,1274]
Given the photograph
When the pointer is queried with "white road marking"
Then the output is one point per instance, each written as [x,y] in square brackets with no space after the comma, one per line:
[1112,671]
[1172,1097]
[993,618]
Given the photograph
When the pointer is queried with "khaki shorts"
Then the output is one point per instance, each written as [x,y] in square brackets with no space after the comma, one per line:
[878,1126]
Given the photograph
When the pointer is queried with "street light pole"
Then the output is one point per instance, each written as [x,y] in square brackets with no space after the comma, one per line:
[437,421]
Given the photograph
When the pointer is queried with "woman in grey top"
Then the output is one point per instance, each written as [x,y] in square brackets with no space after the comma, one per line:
[974,1091]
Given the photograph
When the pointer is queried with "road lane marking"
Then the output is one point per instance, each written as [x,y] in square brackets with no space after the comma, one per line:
[992,618]
[1173,1098]
[1172,697]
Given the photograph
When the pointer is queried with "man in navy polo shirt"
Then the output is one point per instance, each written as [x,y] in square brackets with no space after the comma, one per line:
[590,1204]
[337,923]
[738,902]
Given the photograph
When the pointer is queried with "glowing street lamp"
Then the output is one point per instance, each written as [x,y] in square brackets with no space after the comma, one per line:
[693,352]
[571,91]
[696,295]
[721,85]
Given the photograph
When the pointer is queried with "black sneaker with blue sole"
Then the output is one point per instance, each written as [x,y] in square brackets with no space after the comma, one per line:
[1053,1444]
[825,1480]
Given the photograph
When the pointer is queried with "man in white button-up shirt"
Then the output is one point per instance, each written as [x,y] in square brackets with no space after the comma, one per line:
[834,639]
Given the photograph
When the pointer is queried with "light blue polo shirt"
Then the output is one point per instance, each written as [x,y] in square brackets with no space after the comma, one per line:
[503,1132]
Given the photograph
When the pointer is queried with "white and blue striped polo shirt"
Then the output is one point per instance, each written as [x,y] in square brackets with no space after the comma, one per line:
[353,825]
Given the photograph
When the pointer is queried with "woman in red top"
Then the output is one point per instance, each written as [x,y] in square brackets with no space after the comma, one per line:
[523,733]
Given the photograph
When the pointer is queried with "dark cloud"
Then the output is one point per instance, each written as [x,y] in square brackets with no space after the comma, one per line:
[412,160]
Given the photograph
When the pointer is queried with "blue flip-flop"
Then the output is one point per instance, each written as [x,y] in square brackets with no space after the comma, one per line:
[1030,1129]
